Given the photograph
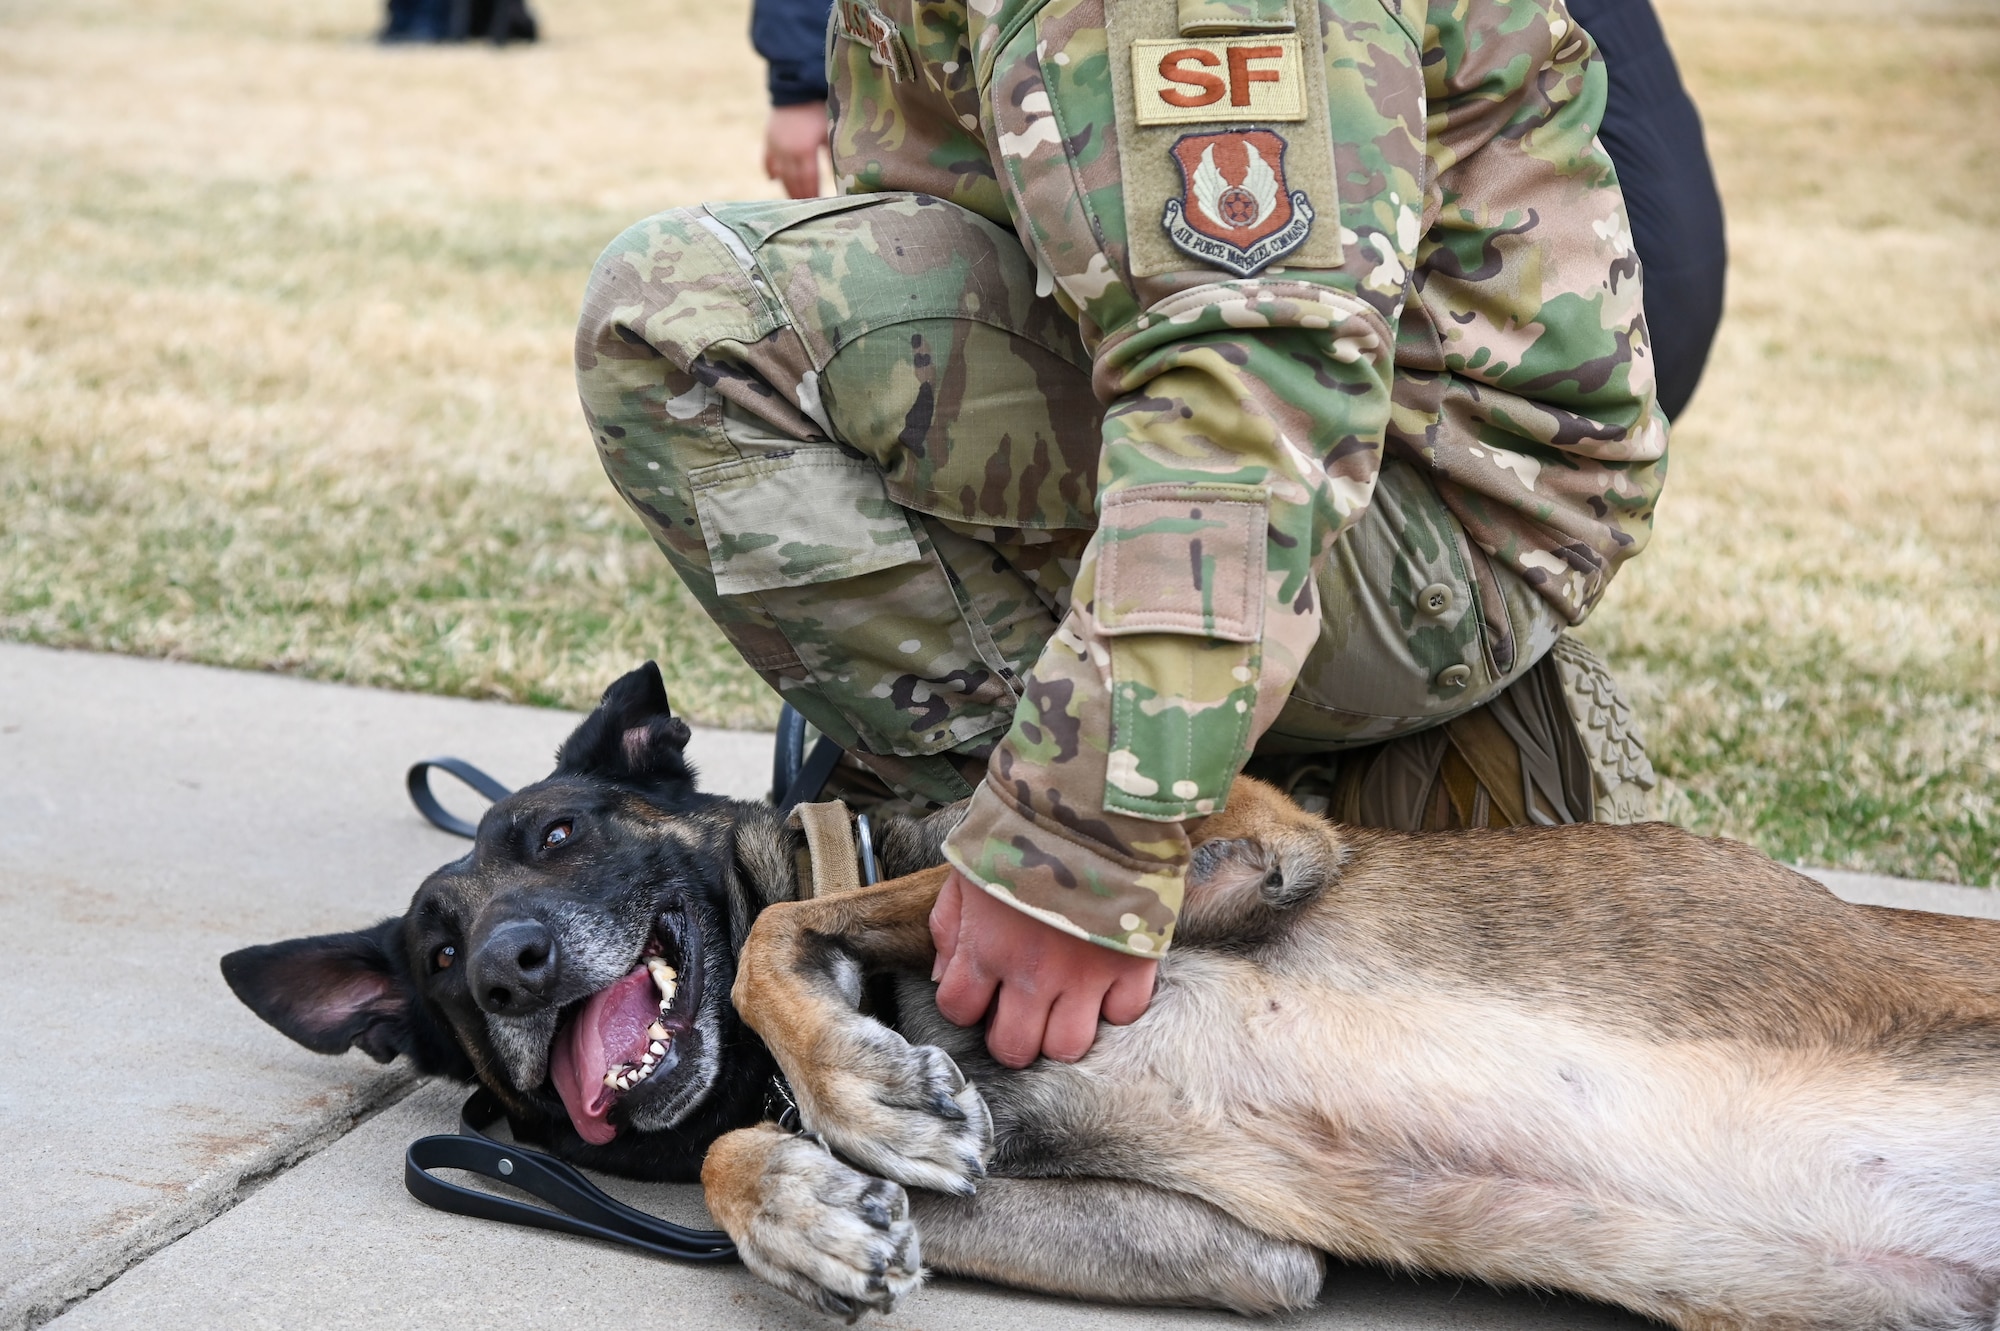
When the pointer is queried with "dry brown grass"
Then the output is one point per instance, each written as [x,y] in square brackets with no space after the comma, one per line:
[284,383]
[284,337]
[1815,632]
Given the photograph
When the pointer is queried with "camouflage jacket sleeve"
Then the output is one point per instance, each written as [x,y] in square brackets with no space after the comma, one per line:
[1248,372]
[1523,375]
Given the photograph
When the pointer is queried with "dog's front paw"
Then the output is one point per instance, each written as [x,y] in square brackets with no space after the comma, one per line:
[829,1235]
[904,1112]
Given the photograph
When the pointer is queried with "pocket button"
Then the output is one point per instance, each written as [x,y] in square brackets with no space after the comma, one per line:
[1435,599]
[1454,677]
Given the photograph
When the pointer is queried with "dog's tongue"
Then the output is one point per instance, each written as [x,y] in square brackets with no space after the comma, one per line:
[609,1029]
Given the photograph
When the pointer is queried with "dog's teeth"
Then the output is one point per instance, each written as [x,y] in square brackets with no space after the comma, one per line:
[611,1079]
[659,1032]
[657,1049]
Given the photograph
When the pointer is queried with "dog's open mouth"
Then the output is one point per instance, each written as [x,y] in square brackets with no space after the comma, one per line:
[629,1032]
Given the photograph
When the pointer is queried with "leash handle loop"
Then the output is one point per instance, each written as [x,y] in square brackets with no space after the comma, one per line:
[583,1208]
[418,783]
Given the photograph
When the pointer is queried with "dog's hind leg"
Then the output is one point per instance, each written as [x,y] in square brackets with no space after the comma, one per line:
[1255,864]
[901,1111]
[1114,1240]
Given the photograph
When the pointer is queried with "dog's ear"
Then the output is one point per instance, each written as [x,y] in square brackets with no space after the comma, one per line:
[332,992]
[633,735]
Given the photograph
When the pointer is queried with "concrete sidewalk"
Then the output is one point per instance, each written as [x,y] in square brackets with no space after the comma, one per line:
[160,815]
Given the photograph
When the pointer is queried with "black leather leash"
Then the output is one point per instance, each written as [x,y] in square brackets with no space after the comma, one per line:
[418,783]
[583,1208]
[796,777]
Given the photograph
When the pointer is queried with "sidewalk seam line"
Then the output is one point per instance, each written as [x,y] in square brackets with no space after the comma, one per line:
[45,1306]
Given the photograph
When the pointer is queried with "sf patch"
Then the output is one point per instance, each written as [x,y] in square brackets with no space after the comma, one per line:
[1234,210]
[1181,82]
[859,21]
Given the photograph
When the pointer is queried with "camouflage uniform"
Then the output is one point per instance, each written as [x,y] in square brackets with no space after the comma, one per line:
[1130,429]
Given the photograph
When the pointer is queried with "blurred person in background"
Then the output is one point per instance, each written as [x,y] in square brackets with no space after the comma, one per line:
[496,21]
[1653,134]
[791,36]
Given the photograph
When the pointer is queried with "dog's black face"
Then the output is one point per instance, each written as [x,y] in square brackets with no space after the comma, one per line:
[578,960]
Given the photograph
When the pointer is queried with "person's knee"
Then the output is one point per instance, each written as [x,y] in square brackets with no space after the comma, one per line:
[634,276]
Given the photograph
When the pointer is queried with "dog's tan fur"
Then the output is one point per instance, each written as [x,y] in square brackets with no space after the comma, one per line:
[1653,1069]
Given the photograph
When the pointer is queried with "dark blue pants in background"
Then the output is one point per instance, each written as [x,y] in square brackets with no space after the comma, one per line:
[1654,137]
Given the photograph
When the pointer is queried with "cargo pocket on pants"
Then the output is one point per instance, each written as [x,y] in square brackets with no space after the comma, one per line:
[805,516]
[1179,598]
[879,626]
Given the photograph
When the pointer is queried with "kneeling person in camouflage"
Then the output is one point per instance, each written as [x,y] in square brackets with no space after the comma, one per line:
[1179,384]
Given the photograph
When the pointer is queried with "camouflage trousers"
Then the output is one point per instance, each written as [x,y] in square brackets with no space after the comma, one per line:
[864,434]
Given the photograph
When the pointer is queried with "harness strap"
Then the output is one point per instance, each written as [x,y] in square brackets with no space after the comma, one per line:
[832,862]
[831,868]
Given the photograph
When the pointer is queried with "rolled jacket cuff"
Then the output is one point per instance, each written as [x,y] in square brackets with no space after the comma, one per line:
[789,86]
[1049,872]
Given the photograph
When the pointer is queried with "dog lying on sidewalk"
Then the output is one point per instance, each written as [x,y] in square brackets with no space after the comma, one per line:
[1632,1063]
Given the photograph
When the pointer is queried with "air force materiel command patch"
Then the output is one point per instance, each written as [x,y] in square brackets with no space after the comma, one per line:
[1234,211]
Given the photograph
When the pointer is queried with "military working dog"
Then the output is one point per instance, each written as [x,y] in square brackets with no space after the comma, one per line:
[1650,1068]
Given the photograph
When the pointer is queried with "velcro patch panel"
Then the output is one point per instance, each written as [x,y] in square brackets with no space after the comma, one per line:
[1216,18]
[1225,145]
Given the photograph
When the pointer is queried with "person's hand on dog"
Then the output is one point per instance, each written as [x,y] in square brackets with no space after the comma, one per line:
[793,138]
[1045,988]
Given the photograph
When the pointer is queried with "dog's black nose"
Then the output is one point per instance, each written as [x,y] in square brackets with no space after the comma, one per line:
[514,971]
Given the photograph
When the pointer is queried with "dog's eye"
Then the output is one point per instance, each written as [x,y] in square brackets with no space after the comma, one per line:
[443,958]
[555,836]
